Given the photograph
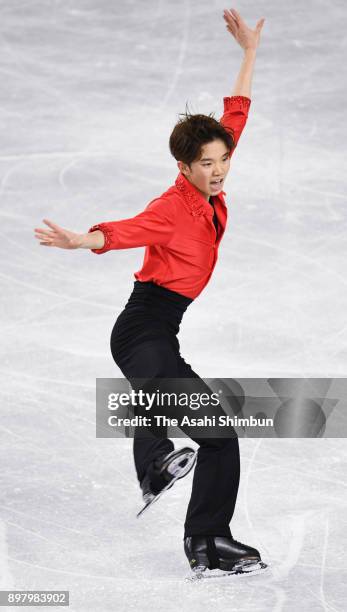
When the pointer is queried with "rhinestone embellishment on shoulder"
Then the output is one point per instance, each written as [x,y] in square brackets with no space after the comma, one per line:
[194,201]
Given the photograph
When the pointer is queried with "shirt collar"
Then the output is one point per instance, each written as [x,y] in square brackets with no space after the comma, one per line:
[198,205]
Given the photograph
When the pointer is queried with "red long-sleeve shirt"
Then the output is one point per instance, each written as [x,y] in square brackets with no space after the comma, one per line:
[177,227]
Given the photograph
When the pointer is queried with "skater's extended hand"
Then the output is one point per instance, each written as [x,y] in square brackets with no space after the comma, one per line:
[247,38]
[57,236]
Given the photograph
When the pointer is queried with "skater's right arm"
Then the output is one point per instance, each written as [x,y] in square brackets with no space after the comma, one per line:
[154,226]
[62,238]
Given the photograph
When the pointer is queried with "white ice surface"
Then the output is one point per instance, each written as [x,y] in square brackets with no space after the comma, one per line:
[90,91]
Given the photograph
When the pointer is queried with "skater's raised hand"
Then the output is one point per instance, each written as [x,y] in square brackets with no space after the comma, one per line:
[246,38]
[57,236]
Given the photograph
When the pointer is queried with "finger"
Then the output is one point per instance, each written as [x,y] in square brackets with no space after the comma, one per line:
[237,16]
[229,17]
[229,13]
[53,225]
[233,32]
[234,12]
[231,24]
[44,232]
[44,238]
[231,28]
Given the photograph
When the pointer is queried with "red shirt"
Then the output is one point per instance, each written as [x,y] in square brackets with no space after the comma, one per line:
[177,227]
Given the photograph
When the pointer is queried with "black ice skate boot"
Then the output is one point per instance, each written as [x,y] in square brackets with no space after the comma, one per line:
[162,474]
[226,555]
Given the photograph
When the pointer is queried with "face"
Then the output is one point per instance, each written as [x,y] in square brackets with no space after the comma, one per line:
[205,173]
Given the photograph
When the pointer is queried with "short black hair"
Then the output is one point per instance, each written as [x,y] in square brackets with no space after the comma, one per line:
[191,132]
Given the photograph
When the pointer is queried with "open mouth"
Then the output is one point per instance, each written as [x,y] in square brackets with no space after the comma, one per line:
[217,183]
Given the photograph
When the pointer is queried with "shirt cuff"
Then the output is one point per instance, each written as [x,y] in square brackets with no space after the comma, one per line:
[108,236]
[232,103]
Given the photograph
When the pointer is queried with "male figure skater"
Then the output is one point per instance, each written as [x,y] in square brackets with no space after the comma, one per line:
[182,230]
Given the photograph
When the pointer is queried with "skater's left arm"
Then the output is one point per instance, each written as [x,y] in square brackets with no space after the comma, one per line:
[236,106]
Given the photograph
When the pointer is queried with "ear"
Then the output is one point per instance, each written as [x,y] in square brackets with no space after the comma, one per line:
[182,167]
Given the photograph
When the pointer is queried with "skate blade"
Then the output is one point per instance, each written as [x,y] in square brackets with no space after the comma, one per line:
[240,569]
[179,474]
[156,497]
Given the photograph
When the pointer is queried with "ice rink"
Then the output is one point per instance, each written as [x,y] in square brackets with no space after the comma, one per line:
[90,92]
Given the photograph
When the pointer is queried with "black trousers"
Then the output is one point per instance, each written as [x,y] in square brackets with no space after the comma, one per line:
[144,345]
